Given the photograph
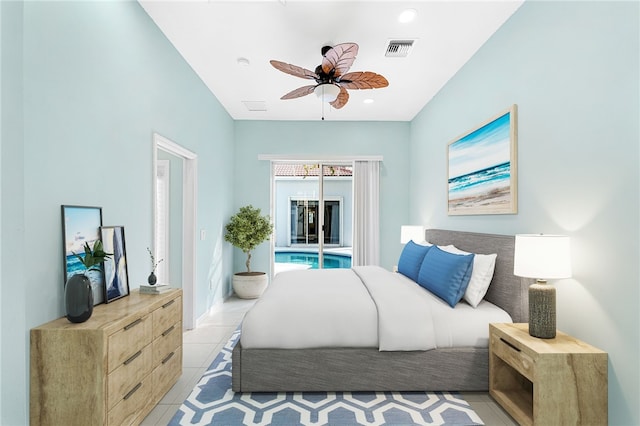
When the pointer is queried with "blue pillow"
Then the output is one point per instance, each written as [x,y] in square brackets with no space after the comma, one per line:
[445,274]
[411,259]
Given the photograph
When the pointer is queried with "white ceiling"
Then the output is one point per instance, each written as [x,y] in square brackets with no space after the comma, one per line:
[213,35]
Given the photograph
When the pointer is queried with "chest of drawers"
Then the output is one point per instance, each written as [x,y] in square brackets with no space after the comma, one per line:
[110,370]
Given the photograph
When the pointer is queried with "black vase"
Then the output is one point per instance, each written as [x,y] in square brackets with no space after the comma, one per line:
[78,298]
[152,279]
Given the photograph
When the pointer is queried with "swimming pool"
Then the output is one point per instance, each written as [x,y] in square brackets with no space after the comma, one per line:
[330,260]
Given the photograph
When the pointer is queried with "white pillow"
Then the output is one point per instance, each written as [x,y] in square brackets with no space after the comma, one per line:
[481,276]
[428,244]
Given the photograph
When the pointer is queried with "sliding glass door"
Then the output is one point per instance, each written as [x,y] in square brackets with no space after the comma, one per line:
[312,215]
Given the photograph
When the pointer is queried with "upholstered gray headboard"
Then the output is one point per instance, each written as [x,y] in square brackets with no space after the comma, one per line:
[506,290]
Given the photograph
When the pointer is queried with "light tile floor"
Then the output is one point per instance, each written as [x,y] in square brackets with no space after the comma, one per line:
[201,345]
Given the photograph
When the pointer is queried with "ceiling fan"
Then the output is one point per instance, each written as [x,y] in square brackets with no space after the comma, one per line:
[332,78]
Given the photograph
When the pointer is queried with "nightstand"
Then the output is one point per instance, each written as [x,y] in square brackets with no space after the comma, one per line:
[558,381]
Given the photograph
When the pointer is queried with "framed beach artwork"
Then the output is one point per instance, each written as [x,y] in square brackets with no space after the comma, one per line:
[80,225]
[482,168]
[116,277]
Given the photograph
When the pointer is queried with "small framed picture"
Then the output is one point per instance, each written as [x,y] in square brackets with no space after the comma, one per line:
[116,277]
[80,225]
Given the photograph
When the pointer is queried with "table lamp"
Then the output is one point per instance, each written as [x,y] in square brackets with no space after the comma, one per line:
[542,257]
[411,232]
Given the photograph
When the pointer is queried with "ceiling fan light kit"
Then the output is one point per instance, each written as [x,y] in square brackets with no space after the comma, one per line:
[331,76]
[327,92]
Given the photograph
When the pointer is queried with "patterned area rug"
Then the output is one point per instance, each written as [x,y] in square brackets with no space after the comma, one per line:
[212,402]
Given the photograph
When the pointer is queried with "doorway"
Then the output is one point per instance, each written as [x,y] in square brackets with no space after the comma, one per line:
[163,150]
[312,211]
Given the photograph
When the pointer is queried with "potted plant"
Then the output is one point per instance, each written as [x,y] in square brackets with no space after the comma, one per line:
[246,230]
[78,295]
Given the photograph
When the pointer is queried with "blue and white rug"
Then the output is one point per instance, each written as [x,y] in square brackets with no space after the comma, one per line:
[212,402]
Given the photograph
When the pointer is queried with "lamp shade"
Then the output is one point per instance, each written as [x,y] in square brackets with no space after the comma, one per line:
[542,256]
[327,92]
[411,232]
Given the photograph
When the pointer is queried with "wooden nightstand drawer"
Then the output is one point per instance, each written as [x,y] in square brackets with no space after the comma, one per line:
[512,353]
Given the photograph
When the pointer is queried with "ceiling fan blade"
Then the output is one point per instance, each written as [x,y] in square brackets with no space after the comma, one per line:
[294,70]
[339,58]
[363,80]
[299,92]
[341,100]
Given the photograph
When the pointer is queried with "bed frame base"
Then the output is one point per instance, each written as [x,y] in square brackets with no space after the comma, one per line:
[359,369]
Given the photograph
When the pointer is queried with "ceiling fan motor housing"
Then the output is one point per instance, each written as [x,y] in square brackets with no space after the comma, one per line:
[324,78]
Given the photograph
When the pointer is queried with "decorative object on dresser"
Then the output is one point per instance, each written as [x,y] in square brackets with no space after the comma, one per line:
[80,225]
[116,276]
[246,230]
[482,168]
[542,257]
[110,370]
[78,295]
[154,289]
[560,381]
[154,265]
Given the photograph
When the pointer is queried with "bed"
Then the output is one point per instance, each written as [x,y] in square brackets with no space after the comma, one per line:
[363,365]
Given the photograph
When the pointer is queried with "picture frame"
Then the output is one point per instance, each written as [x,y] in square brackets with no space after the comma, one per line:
[116,277]
[81,224]
[482,168]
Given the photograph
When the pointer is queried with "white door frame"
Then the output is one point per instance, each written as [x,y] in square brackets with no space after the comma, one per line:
[189,209]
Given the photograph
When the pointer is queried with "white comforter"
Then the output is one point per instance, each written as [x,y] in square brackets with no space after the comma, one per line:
[365,306]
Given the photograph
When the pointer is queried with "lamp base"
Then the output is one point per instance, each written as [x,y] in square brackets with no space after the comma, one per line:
[542,310]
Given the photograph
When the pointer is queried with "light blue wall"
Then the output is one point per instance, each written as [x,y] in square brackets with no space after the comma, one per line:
[389,139]
[85,85]
[572,68]
[13,294]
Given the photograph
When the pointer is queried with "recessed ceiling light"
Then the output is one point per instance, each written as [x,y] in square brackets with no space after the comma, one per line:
[243,61]
[368,101]
[407,16]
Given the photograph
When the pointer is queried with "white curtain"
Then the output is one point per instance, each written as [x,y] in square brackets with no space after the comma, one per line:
[366,216]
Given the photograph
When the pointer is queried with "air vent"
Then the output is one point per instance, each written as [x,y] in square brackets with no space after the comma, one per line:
[399,48]
[255,105]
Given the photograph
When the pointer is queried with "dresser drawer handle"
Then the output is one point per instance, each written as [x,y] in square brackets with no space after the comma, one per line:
[169,330]
[169,303]
[510,345]
[168,357]
[132,357]
[132,391]
[133,324]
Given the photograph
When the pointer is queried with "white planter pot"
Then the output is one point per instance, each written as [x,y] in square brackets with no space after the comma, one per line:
[250,285]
